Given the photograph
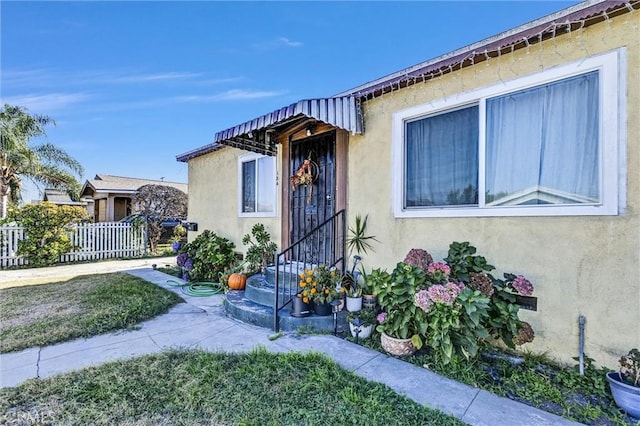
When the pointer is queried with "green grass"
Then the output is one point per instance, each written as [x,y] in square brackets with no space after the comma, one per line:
[84,306]
[195,387]
[538,382]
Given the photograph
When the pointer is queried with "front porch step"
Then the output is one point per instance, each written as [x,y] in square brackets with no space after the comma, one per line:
[239,307]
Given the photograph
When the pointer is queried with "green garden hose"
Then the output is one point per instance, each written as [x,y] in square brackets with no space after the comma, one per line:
[198,289]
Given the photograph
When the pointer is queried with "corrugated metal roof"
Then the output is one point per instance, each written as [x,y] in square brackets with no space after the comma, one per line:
[343,112]
[344,109]
[184,157]
[550,25]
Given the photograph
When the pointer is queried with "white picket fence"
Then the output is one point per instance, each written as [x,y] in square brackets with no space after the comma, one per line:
[93,241]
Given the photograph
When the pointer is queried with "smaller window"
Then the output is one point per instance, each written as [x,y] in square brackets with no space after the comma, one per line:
[257,182]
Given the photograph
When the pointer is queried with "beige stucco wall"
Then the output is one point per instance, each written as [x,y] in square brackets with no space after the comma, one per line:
[213,198]
[580,265]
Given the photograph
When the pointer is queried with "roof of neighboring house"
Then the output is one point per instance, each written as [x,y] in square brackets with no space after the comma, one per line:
[56,196]
[254,134]
[120,184]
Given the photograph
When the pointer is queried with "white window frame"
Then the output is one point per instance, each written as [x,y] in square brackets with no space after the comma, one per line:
[255,157]
[612,139]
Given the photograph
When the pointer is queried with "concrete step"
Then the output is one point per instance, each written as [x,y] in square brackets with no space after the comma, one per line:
[239,307]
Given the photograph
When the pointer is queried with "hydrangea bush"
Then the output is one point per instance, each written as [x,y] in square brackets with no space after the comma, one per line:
[453,306]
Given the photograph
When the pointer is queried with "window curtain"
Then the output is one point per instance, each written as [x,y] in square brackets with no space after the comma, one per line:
[542,144]
[266,193]
[249,186]
[441,164]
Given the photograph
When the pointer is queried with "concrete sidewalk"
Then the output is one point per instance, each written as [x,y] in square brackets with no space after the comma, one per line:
[201,323]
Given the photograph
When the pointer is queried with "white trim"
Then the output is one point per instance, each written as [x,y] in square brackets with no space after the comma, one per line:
[622,130]
[612,140]
[255,157]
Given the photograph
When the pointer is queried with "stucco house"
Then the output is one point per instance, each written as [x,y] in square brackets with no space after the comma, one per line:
[110,196]
[526,144]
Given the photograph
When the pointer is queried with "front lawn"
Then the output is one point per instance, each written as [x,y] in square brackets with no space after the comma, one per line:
[195,387]
[81,307]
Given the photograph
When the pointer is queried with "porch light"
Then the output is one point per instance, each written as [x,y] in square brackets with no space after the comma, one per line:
[311,129]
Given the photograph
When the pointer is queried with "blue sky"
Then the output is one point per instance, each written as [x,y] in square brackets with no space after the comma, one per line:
[133,84]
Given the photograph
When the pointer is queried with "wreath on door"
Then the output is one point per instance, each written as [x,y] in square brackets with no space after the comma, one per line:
[306,175]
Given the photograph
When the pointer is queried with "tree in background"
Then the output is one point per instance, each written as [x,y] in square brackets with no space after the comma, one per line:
[47,229]
[42,163]
[157,203]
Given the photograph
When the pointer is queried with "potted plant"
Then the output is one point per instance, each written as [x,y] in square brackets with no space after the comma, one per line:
[361,323]
[321,286]
[354,298]
[625,384]
[261,249]
[358,240]
[371,284]
[402,324]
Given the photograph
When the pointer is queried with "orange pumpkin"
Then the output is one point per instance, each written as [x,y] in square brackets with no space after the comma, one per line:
[237,281]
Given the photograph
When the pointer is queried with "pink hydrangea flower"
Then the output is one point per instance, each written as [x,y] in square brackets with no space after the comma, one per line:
[522,285]
[439,266]
[525,334]
[418,257]
[422,300]
[381,317]
[445,294]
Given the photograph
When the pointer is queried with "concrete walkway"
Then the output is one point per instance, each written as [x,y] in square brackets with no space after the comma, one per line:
[201,323]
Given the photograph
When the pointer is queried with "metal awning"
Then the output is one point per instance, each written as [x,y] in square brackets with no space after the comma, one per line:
[342,112]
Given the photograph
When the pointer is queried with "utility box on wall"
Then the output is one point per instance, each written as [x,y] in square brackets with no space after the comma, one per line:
[191,226]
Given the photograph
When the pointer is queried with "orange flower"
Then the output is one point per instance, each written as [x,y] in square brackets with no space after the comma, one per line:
[305,299]
[326,291]
[303,284]
[309,279]
[341,289]
[309,272]
[313,291]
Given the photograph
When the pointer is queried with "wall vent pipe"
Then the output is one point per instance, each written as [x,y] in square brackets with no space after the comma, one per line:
[581,321]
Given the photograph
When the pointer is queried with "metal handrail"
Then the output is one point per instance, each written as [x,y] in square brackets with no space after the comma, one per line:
[296,258]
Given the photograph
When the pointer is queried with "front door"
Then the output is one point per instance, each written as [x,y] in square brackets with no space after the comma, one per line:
[313,201]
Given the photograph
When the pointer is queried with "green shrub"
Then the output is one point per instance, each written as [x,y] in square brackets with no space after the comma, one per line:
[261,249]
[47,227]
[209,256]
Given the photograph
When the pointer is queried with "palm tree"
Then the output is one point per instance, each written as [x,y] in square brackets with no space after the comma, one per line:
[42,163]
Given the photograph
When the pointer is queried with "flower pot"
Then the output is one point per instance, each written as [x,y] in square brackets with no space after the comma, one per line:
[299,309]
[397,347]
[626,396]
[365,331]
[369,301]
[354,304]
[322,309]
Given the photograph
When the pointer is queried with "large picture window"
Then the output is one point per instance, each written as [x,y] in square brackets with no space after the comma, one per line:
[257,185]
[541,145]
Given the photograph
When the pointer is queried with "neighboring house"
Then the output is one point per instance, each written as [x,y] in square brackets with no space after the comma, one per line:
[62,198]
[111,195]
[526,144]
